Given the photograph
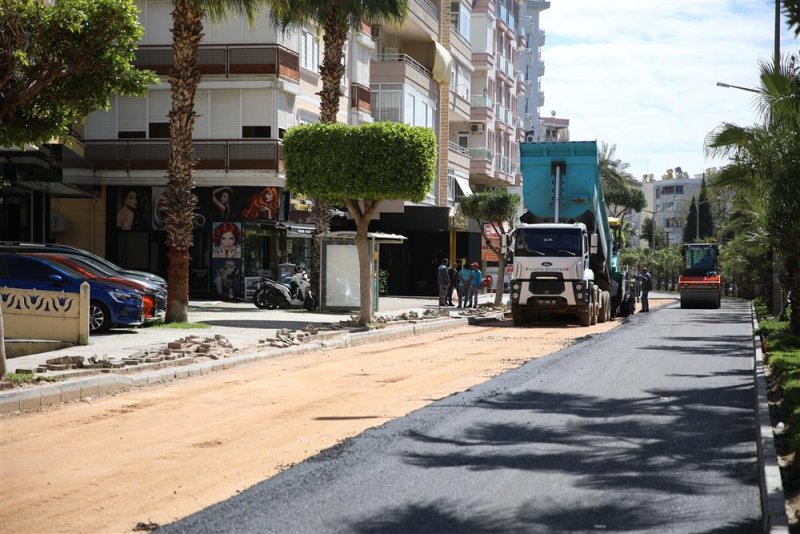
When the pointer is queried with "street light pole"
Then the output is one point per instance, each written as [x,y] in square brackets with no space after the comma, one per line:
[777,290]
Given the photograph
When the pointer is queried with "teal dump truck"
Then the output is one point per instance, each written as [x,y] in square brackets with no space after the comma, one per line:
[564,257]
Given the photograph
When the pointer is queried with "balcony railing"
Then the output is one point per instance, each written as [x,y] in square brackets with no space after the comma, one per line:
[413,63]
[360,97]
[504,164]
[226,59]
[506,17]
[503,114]
[455,147]
[481,102]
[151,154]
[428,6]
[481,153]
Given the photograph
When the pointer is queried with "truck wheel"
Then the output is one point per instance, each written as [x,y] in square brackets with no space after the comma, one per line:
[605,311]
[517,316]
[585,317]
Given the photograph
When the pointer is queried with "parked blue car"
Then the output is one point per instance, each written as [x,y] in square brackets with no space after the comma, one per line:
[109,304]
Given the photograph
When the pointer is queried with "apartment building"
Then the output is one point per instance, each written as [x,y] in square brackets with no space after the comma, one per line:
[668,204]
[469,70]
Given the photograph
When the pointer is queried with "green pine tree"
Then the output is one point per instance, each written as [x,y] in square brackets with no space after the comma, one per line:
[704,212]
[690,230]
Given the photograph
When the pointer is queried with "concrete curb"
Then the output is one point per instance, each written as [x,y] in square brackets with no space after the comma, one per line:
[87,387]
[773,500]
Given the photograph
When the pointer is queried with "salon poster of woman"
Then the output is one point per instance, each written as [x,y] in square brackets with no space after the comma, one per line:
[133,208]
[226,240]
[261,203]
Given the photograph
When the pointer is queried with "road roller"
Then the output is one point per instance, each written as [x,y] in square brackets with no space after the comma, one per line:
[700,283]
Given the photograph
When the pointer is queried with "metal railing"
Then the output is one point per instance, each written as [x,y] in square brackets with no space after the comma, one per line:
[455,147]
[399,56]
[463,38]
[226,59]
[428,6]
[218,154]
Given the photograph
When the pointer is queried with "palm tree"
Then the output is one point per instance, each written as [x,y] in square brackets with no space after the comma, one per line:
[187,32]
[765,165]
[336,18]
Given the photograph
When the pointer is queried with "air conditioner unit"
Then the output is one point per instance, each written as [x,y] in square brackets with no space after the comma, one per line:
[476,127]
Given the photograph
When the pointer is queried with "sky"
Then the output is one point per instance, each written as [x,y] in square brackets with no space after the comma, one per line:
[642,74]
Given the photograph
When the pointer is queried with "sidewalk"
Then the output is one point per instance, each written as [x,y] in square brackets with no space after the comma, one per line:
[241,323]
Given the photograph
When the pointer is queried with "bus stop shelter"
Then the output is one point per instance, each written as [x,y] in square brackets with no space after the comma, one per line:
[340,283]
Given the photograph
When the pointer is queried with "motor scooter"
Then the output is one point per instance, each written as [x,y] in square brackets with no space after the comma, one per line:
[293,292]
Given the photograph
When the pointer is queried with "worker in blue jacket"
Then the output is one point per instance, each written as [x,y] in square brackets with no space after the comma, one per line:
[475,284]
[464,282]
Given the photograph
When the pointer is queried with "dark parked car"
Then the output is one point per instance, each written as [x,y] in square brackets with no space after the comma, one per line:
[110,304]
[55,248]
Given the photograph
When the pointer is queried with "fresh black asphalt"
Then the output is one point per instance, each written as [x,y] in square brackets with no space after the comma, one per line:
[649,427]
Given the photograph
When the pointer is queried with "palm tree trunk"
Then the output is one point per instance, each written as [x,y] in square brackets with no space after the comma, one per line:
[187,31]
[331,72]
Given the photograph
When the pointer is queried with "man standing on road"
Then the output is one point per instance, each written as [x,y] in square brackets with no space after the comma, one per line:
[453,272]
[475,284]
[464,279]
[647,284]
[443,279]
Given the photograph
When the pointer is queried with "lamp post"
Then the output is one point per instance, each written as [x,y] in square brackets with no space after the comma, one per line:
[777,290]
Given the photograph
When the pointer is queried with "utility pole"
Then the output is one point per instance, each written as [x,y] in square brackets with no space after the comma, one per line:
[777,290]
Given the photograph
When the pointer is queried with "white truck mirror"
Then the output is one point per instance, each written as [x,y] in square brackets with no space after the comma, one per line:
[593,244]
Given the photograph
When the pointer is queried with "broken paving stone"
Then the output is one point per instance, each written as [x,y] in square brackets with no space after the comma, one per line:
[25,371]
[57,366]
[174,345]
[131,361]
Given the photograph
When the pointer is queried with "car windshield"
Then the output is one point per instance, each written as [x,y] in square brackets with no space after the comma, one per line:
[548,242]
[91,266]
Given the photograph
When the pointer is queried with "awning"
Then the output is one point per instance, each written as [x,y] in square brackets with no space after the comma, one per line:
[442,64]
[296,229]
[378,237]
[463,184]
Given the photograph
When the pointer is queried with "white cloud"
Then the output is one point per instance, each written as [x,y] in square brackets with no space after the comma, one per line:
[641,74]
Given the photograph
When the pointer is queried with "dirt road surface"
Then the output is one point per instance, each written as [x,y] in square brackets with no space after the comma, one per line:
[156,454]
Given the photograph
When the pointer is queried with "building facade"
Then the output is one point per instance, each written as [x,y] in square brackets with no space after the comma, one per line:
[468,70]
[668,204]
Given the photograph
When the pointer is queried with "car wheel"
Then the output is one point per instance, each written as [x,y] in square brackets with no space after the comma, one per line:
[99,317]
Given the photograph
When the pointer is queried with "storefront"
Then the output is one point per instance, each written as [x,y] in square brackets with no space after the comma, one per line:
[240,233]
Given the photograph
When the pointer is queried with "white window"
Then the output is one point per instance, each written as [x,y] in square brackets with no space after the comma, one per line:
[309,51]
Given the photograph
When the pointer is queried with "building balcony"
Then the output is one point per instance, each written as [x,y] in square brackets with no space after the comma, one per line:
[360,98]
[397,67]
[504,115]
[226,60]
[542,37]
[212,154]
[458,156]
[481,109]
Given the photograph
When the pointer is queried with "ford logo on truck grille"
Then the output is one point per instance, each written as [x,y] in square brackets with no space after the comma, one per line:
[546,264]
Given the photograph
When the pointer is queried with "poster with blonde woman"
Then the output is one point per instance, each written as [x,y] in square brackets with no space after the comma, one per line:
[227,240]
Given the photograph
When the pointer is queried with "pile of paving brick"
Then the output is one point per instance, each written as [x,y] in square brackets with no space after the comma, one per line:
[187,348]
[286,337]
